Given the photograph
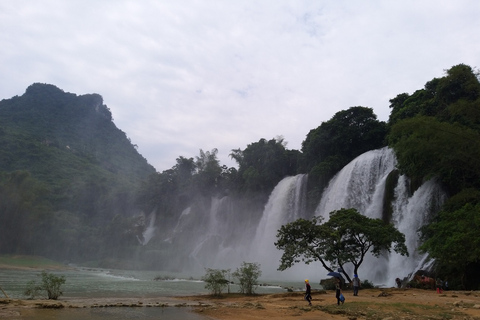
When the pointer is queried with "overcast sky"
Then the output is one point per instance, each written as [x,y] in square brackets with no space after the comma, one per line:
[180,76]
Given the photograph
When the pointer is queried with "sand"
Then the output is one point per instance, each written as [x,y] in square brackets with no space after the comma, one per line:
[369,304]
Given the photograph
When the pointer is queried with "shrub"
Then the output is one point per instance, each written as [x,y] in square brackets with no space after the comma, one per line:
[367,284]
[50,284]
[215,280]
[247,276]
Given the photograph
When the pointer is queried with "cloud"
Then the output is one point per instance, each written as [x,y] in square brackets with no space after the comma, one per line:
[180,76]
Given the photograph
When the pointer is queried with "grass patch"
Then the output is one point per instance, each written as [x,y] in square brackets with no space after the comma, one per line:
[22,261]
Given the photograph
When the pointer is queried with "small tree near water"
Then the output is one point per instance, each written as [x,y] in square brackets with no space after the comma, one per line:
[215,280]
[50,284]
[247,276]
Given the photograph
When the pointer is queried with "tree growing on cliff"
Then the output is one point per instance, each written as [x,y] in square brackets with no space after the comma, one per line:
[346,238]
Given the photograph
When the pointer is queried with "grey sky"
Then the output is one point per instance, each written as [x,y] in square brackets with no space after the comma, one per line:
[180,76]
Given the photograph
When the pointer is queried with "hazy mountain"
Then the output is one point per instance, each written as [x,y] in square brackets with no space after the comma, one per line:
[68,146]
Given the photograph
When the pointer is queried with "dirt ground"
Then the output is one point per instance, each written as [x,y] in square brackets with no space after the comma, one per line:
[387,304]
[369,304]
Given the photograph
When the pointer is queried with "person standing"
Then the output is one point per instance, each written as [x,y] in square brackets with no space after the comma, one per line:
[356,284]
[338,290]
[439,284]
[308,292]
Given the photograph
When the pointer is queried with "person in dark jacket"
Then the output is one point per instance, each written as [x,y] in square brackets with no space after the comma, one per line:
[338,290]
[308,292]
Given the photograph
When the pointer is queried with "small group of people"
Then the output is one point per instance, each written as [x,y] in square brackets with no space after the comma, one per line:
[338,289]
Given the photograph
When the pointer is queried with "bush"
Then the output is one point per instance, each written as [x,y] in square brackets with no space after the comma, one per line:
[215,280]
[247,276]
[50,283]
[367,285]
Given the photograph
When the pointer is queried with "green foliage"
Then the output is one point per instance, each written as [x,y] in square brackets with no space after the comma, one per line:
[460,85]
[345,238]
[263,164]
[32,289]
[23,211]
[50,284]
[247,276]
[65,172]
[336,142]
[452,239]
[435,133]
[215,280]
[208,172]
[367,284]
[426,148]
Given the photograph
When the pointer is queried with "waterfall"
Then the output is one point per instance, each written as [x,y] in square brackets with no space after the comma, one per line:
[361,185]
[286,203]
[213,235]
[409,214]
[222,233]
[149,232]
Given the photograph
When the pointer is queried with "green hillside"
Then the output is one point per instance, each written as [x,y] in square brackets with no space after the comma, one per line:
[66,171]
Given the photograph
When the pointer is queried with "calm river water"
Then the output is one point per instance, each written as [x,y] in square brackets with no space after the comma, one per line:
[104,283]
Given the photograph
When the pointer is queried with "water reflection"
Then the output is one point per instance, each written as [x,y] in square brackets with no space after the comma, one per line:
[170,313]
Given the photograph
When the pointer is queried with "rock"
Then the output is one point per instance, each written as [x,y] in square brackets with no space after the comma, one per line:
[458,303]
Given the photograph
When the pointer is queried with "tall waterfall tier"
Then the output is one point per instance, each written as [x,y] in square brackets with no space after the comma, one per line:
[361,185]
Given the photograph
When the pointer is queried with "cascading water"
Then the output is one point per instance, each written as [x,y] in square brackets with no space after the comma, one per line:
[150,230]
[409,214]
[361,185]
[285,204]
[220,234]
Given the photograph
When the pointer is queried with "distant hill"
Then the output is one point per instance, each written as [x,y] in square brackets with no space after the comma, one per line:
[48,131]
[67,146]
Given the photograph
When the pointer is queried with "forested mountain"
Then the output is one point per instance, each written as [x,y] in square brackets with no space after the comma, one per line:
[66,171]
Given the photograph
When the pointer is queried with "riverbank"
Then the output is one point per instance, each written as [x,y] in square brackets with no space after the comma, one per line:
[369,304]
[91,293]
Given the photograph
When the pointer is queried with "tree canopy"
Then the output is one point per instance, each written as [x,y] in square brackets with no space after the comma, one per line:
[345,238]
[262,164]
[339,140]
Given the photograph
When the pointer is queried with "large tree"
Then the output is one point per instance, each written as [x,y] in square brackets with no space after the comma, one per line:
[345,238]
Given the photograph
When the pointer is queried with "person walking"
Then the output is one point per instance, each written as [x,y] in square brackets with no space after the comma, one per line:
[338,291]
[308,292]
[356,284]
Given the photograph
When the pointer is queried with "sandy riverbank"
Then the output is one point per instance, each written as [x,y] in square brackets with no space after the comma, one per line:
[370,304]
